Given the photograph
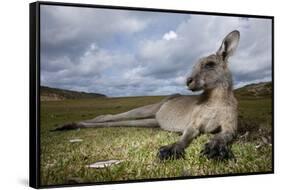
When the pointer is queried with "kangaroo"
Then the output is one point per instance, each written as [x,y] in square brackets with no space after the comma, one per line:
[214,111]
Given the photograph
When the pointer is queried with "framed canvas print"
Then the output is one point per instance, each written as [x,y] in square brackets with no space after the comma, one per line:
[122,94]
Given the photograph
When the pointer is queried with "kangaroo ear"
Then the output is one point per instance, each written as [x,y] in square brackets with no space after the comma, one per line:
[229,44]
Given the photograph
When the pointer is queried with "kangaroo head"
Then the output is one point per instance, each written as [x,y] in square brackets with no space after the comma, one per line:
[212,71]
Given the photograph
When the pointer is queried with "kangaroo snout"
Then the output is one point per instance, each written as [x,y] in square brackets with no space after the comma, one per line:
[189,80]
[192,84]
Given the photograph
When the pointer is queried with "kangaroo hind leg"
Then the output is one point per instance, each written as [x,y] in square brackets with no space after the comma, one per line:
[143,112]
[142,117]
[148,111]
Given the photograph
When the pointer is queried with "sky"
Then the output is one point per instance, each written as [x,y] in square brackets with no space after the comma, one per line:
[137,53]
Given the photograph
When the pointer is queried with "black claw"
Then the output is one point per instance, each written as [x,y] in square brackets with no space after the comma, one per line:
[173,151]
[217,150]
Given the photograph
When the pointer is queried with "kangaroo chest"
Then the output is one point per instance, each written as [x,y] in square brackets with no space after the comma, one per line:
[206,118]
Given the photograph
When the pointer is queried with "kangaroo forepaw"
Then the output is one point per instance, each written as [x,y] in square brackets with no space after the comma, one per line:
[172,151]
[217,150]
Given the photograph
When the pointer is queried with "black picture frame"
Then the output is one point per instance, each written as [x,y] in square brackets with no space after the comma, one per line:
[34,93]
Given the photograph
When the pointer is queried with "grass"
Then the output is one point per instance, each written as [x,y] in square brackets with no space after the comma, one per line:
[63,162]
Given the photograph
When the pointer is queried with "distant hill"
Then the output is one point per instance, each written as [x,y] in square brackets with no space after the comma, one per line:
[258,90]
[53,94]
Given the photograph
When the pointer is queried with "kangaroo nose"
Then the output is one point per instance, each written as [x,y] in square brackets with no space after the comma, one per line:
[189,80]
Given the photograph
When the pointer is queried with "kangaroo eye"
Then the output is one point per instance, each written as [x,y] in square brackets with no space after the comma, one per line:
[210,65]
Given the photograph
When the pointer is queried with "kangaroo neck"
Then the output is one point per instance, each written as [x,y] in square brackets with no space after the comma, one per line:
[218,94]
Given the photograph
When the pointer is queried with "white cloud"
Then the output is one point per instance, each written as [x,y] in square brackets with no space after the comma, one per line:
[170,35]
[74,26]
